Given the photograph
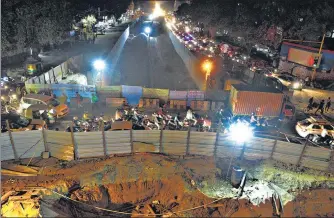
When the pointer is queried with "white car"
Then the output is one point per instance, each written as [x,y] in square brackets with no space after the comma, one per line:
[313,126]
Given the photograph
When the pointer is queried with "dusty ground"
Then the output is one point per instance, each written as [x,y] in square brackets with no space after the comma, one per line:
[132,183]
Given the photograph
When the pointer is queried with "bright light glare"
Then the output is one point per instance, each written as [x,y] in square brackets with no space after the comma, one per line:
[99,65]
[187,29]
[157,12]
[207,66]
[241,132]
[147,30]
[296,85]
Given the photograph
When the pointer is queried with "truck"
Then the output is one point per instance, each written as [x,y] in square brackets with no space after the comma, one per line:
[260,101]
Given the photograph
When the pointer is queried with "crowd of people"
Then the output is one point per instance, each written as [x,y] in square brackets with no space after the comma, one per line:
[323,106]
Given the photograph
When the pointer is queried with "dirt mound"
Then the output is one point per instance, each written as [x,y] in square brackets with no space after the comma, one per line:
[150,184]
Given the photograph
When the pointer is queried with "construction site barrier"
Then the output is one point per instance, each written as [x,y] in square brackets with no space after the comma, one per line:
[162,94]
[115,102]
[110,91]
[200,105]
[148,103]
[177,104]
[178,95]
[56,74]
[69,146]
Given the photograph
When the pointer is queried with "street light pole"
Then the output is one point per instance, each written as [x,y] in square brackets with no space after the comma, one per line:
[147,31]
[319,53]
[207,67]
[148,61]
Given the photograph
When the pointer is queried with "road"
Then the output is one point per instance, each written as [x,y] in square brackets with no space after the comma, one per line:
[151,62]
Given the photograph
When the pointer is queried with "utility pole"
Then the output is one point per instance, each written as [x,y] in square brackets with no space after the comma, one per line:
[319,53]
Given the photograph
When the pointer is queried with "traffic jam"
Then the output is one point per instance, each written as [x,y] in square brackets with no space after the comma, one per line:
[311,127]
[25,112]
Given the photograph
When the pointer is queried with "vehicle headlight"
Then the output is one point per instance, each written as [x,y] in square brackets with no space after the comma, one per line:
[14,96]
[296,85]
[6,87]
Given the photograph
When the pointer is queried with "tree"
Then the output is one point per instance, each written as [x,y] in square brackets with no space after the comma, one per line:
[253,20]
[32,23]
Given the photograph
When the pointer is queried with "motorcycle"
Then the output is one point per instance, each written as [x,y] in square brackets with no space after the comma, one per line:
[323,141]
[203,125]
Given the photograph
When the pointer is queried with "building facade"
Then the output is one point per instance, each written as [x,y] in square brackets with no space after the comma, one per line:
[299,59]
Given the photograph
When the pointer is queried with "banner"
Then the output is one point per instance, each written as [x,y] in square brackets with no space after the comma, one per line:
[132,94]
[70,90]
[156,93]
[195,95]
[112,91]
[35,88]
[178,95]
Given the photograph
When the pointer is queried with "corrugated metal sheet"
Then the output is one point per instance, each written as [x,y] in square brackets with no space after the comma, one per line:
[28,143]
[7,152]
[314,164]
[118,142]
[260,103]
[317,153]
[60,144]
[152,136]
[89,144]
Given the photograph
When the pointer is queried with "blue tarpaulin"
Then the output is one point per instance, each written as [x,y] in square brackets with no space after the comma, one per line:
[132,94]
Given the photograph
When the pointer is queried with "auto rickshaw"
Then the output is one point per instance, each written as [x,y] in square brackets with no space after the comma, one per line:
[39,111]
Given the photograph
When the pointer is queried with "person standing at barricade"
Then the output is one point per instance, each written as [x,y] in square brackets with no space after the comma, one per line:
[95,100]
[79,99]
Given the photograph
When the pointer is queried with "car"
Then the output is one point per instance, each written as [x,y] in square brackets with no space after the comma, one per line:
[61,110]
[313,125]
[290,81]
[20,123]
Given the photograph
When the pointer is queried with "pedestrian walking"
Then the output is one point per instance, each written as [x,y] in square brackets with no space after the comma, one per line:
[310,104]
[321,107]
[328,104]
[79,99]
[310,101]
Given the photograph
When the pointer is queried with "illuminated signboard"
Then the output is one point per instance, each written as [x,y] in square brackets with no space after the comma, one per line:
[305,58]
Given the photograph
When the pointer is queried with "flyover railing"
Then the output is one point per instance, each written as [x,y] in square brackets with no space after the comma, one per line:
[74,146]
